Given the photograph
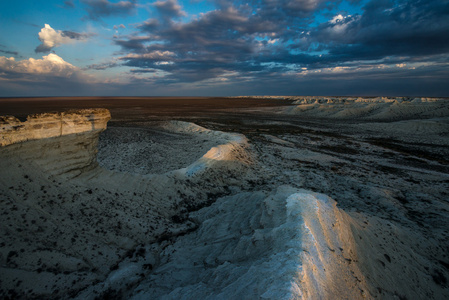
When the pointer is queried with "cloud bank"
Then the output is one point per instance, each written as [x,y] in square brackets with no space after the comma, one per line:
[49,76]
[51,64]
[263,39]
[264,46]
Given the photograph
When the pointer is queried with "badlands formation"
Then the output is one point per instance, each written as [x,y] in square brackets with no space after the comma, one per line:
[326,198]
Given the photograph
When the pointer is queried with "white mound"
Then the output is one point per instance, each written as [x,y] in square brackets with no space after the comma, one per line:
[287,245]
[234,148]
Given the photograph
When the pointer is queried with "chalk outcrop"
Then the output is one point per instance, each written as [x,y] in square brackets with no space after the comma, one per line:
[379,108]
[49,125]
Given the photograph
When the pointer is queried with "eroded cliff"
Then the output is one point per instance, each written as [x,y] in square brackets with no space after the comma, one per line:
[48,125]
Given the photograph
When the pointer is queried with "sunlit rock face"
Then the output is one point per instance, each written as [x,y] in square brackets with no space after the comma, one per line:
[49,125]
[287,244]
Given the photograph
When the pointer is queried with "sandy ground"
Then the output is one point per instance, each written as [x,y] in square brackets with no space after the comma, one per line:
[376,227]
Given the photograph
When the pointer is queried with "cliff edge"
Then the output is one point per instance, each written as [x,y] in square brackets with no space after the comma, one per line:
[47,125]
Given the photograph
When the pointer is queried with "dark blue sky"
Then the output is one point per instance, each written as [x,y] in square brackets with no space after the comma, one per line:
[219,47]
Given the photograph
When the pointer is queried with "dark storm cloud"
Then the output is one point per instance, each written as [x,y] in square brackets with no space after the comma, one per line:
[202,48]
[97,9]
[415,28]
[268,39]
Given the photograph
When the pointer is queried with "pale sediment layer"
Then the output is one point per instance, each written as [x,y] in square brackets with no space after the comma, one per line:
[48,125]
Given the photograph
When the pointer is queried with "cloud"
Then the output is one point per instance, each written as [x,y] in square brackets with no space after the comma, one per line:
[169,9]
[48,76]
[9,52]
[51,38]
[98,9]
[284,41]
[69,4]
[149,25]
[303,6]
[51,64]
[6,51]
[223,40]
[154,56]
[119,26]
[142,71]
[102,66]
[134,43]
[414,29]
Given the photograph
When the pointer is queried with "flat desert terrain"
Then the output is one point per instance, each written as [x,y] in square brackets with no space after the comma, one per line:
[224,198]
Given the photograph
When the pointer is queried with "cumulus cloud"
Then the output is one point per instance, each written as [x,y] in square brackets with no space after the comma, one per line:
[51,38]
[50,75]
[51,64]
[98,9]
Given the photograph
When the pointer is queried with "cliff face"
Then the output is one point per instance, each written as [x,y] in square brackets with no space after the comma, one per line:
[60,144]
[49,125]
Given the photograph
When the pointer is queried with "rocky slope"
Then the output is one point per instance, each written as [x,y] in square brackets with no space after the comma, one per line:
[67,223]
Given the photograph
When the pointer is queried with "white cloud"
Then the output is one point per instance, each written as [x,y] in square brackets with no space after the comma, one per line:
[401,65]
[51,64]
[337,19]
[51,38]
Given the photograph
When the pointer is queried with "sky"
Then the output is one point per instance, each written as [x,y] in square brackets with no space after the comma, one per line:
[224,48]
